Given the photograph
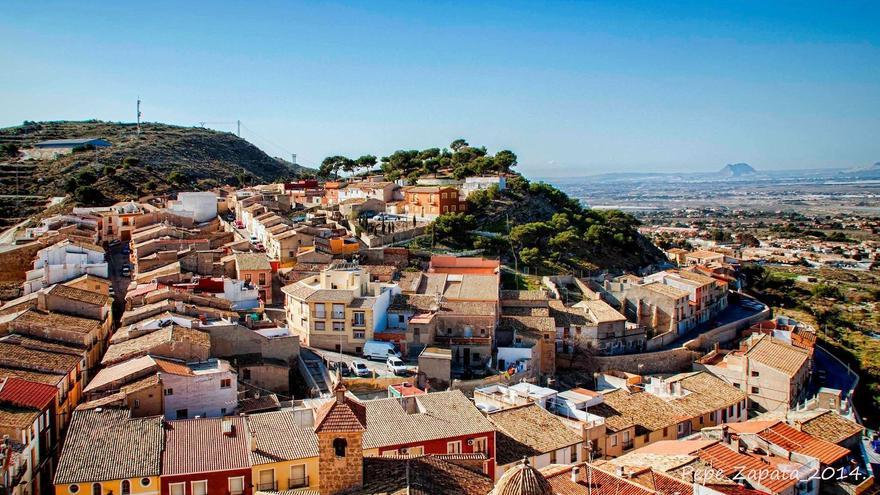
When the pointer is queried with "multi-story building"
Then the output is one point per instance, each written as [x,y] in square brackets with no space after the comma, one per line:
[431,201]
[255,268]
[64,261]
[106,451]
[27,416]
[773,373]
[338,309]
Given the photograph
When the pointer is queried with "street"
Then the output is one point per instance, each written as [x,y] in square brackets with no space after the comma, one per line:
[377,366]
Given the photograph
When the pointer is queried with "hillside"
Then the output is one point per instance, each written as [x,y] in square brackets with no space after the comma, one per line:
[163,158]
[529,224]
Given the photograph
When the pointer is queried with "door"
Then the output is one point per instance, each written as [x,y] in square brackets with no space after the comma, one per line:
[467,357]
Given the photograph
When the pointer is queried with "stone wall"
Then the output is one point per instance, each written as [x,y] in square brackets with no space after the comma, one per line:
[338,474]
[669,361]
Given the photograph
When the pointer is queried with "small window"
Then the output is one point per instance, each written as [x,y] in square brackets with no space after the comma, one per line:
[199,487]
[339,445]
[453,447]
[145,481]
[246,374]
[182,413]
[480,444]
[73,488]
[96,489]
[614,440]
[137,403]
[126,487]
[177,488]
[169,391]
[573,455]
[755,373]
[756,390]
[236,485]
[226,383]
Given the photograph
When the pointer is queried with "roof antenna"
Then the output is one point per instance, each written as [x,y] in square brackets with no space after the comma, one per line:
[139,115]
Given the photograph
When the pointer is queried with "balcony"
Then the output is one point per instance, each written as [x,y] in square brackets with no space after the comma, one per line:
[298,482]
[271,486]
[627,445]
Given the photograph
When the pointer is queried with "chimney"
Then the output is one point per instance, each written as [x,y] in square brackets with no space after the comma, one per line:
[227,427]
[619,471]
[253,443]
[574,474]
[725,434]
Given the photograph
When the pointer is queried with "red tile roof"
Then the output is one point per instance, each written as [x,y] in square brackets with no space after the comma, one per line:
[341,415]
[598,482]
[200,446]
[794,440]
[23,393]
[731,462]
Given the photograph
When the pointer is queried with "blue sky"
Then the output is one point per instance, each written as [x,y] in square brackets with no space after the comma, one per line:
[574,88]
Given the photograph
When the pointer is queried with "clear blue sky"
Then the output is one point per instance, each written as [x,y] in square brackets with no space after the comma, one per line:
[574,88]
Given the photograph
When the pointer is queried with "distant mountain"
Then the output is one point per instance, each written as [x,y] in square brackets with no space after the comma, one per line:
[737,170]
[867,172]
[162,158]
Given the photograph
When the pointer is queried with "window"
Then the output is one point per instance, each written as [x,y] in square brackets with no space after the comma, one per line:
[137,403]
[359,335]
[338,326]
[182,413]
[553,457]
[73,488]
[573,454]
[452,207]
[126,487]
[298,478]
[177,488]
[453,447]
[359,319]
[756,390]
[338,311]
[145,482]
[417,333]
[399,318]
[199,487]
[223,411]
[755,373]
[96,489]
[445,209]
[613,440]
[262,279]
[320,310]
[168,391]
[339,445]
[320,326]
[665,431]
[480,444]
[248,277]
[266,480]
[246,374]
[701,419]
[225,383]
[236,485]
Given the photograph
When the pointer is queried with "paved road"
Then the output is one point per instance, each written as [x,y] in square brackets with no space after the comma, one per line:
[378,366]
[735,311]
[117,259]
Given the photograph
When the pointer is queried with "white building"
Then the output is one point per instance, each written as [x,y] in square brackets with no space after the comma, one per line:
[473,184]
[205,389]
[202,206]
[65,261]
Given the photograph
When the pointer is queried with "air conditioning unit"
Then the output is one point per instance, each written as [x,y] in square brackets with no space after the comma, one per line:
[470,441]
[404,451]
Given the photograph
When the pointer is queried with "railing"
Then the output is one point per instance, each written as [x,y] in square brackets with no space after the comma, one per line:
[270,486]
[627,445]
[339,316]
[298,482]
[356,323]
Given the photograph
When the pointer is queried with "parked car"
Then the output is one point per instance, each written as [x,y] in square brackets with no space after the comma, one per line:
[239,224]
[126,271]
[396,366]
[254,239]
[375,349]
[360,369]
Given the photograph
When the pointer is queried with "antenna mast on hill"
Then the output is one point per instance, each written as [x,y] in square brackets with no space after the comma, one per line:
[139,115]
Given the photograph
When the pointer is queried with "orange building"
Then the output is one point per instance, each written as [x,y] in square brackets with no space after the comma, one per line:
[463,265]
[432,201]
[331,192]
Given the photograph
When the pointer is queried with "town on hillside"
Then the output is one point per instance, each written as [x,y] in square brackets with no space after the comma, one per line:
[374,334]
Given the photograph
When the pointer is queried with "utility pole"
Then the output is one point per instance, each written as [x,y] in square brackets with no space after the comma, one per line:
[238,125]
[139,115]
[293,158]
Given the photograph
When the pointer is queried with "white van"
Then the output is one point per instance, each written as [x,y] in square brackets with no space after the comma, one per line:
[381,351]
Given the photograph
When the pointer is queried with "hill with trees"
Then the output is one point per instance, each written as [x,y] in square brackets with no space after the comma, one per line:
[162,158]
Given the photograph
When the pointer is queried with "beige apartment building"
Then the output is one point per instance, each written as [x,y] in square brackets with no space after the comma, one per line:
[338,309]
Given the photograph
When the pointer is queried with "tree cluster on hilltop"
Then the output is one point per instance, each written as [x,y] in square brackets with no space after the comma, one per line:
[460,160]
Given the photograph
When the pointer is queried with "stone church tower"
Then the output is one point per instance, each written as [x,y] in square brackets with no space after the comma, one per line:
[340,426]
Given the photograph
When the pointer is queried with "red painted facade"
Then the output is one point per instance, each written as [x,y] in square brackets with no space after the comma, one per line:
[440,446]
[218,481]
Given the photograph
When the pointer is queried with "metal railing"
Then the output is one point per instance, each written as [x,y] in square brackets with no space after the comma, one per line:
[298,482]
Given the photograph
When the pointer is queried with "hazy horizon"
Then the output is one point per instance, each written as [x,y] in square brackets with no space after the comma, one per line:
[575,89]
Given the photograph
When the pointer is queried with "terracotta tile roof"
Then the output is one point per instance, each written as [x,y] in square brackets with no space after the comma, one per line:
[252,261]
[331,295]
[831,427]
[17,417]
[110,445]
[527,431]
[173,367]
[429,417]
[731,462]
[590,480]
[200,446]
[23,393]
[665,290]
[80,295]
[278,437]
[340,415]
[33,376]
[651,479]
[425,475]
[778,355]
[144,344]
[790,439]
[263,403]
[35,317]
[17,356]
